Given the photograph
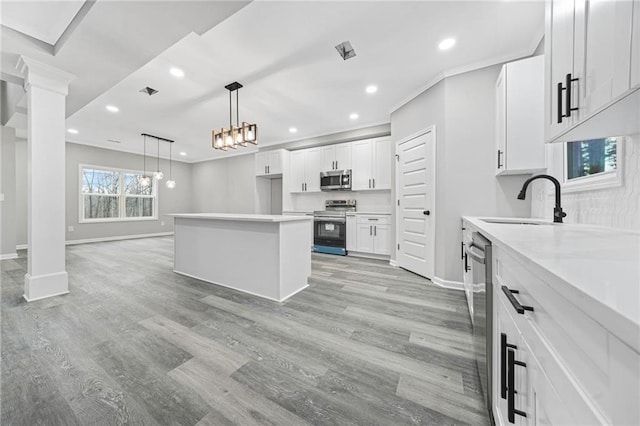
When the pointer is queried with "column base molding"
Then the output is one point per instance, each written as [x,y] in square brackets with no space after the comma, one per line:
[44,286]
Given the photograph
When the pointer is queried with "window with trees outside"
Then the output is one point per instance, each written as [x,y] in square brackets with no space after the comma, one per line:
[592,164]
[115,195]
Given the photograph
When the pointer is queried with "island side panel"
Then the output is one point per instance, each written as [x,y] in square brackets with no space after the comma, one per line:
[242,255]
[295,257]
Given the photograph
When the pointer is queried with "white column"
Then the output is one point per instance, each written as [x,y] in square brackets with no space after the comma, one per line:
[46,89]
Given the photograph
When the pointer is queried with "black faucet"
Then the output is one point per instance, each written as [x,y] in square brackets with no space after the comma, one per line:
[558,214]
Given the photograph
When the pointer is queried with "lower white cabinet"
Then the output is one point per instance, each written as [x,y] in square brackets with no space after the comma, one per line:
[369,234]
[467,276]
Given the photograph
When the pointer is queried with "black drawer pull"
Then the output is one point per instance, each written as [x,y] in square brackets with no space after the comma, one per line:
[511,404]
[567,100]
[503,364]
[559,106]
[514,302]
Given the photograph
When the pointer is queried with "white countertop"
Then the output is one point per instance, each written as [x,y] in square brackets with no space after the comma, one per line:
[369,213]
[240,217]
[595,267]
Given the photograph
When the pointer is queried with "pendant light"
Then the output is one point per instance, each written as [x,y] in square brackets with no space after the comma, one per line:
[158,175]
[234,135]
[144,180]
[170,183]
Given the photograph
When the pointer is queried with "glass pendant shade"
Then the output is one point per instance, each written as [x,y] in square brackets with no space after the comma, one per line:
[144,181]
[158,175]
[171,184]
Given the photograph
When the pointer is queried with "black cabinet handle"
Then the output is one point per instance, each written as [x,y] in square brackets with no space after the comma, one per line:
[514,302]
[559,106]
[504,345]
[567,100]
[374,182]
[466,263]
[375,231]
[499,155]
[511,408]
[461,249]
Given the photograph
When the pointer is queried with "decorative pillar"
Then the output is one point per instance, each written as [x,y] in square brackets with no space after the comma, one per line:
[46,89]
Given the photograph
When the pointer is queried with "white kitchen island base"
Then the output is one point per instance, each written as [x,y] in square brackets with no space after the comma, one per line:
[264,255]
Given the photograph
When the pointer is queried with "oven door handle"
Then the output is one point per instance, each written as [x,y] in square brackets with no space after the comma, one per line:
[476,253]
[332,219]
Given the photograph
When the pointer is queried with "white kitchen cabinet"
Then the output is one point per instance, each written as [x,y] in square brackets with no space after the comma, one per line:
[589,60]
[371,164]
[373,234]
[607,47]
[520,117]
[467,277]
[336,157]
[352,232]
[269,163]
[305,170]
[635,44]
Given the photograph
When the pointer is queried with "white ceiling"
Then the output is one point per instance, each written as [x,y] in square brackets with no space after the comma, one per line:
[283,53]
[45,21]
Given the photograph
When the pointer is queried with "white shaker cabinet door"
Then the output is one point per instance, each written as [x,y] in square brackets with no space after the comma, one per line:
[297,171]
[364,238]
[312,169]
[361,162]
[328,158]
[382,164]
[381,239]
[343,156]
[606,51]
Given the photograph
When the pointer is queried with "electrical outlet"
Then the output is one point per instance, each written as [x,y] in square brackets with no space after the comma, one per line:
[70,228]
[162,223]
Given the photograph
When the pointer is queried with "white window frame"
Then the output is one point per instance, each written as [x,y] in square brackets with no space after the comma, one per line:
[121,197]
[610,179]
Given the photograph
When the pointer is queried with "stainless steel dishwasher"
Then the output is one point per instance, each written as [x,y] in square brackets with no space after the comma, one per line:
[479,251]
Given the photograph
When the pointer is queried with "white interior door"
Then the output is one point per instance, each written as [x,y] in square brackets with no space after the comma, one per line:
[415,177]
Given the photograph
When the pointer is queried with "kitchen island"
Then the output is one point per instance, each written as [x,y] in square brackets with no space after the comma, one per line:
[264,255]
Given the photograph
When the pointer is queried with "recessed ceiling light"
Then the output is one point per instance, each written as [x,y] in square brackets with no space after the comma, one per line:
[72,131]
[112,108]
[447,43]
[183,153]
[372,89]
[353,116]
[176,72]
[292,130]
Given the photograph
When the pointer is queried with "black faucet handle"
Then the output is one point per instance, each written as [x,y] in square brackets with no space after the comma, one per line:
[558,214]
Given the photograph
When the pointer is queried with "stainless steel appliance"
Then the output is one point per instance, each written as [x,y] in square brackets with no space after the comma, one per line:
[335,180]
[479,251]
[330,227]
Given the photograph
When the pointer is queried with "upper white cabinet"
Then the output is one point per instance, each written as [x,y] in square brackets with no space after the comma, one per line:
[589,59]
[306,165]
[371,164]
[520,117]
[270,163]
[606,26]
[336,157]
[635,44]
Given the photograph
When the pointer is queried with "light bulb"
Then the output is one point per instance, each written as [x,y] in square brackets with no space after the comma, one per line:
[229,140]
[250,135]
[144,181]
[239,138]
[171,184]
[158,175]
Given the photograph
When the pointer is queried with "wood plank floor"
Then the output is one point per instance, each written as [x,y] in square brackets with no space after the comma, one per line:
[134,343]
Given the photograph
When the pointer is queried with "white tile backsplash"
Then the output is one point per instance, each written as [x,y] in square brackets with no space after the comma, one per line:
[613,207]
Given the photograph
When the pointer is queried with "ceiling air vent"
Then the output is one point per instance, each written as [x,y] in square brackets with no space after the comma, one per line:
[149,91]
[345,50]
[113,141]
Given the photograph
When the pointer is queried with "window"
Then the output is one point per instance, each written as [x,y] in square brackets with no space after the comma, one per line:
[114,195]
[593,164]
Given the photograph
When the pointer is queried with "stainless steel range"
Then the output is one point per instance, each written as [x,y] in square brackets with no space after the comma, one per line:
[330,227]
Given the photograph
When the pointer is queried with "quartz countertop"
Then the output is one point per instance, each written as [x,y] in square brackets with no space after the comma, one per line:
[369,213]
[595,267]
[241,217]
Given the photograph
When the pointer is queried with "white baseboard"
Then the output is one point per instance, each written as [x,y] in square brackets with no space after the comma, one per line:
[8,256]
[104,239]
[453,285]
[367,255]
[117,238]
[393,263]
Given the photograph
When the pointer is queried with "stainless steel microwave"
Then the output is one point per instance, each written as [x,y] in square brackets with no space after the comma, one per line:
[335,180]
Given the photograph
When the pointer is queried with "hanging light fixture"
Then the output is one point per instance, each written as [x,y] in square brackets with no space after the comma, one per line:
[144,180]
[158,175]
[170,183]
[234,135]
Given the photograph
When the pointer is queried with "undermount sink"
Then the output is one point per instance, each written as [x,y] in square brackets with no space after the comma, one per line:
[515,221]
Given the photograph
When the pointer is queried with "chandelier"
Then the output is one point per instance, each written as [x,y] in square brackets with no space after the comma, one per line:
[145,180]
[234,135]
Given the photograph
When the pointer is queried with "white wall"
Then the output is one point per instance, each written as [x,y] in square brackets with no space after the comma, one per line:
[227,185]
[462,109]
[177,200]
[613,207]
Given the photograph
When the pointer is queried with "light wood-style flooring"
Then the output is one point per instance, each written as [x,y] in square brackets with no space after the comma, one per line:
[135,343]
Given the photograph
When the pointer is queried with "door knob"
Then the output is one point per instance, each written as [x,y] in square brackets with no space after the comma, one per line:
[426,212]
